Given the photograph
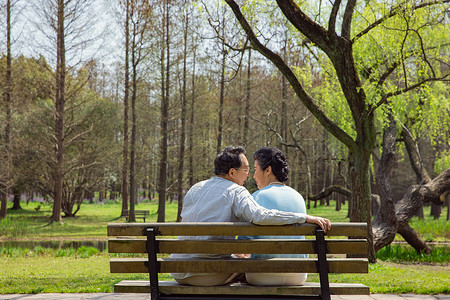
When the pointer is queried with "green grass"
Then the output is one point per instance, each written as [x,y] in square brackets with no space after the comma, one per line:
[89,223]
[87,271]
[42,270]
[403,253]
[34,271]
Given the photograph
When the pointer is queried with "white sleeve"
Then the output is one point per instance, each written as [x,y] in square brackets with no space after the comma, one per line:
[246,209]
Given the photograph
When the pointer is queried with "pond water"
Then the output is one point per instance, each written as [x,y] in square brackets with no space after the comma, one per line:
[101,245]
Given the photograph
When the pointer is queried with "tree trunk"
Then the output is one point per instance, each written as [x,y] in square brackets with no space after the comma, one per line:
[133,188]
[165,53]
[59,116]
[125,164]
[284,95]
[191,125]
[410,205]
[183,123]
[415,158]
[415,196]
[8,85]
[16,200]
[221,99]
[360,207]
[247,102]
[435,211]
[385,223]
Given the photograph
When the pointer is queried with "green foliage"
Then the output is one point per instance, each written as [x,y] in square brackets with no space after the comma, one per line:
[442,162]
[39,251]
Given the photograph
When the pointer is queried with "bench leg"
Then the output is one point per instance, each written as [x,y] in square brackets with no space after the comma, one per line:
[321,249]
[152,263]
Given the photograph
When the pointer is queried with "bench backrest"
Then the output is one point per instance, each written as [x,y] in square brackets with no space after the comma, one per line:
[130,238]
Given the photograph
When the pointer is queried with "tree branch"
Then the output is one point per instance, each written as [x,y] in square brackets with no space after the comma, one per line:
[313,31]
[395,11]
[347,22]
[333,15]
[328,124]
[325,192]
[407,89]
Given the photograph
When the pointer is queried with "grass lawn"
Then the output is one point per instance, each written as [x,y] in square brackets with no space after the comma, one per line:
[90,221]
[43,271]
[50,274]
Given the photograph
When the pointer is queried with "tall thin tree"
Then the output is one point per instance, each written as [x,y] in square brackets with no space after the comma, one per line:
[7,137]
[165,87]
[60,100]
[139,15]
[125,164]
[191,122]
[222,90]
[183,115]
[247,100]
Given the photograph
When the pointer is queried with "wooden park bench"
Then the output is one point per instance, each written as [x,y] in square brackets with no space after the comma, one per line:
[327,255]
[138,214]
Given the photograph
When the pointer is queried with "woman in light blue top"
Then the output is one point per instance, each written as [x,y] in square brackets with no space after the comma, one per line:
[271,171]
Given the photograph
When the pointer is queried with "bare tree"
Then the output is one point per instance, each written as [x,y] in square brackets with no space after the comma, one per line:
[125,164]
[182,143]
[6,181]
[67,26]
[141,20]
[165,88]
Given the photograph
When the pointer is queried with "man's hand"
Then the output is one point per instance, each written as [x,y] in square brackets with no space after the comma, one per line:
[325,224]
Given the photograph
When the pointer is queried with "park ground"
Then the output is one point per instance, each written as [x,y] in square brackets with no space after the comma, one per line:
[40,270]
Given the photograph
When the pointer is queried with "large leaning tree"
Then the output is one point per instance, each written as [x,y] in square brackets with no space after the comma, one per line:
[329,30]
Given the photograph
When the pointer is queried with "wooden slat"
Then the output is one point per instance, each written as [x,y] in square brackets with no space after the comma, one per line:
[260,246]
[275,265]
[171,287]
[232,229]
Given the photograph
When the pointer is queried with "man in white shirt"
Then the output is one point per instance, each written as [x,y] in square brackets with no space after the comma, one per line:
[223,198]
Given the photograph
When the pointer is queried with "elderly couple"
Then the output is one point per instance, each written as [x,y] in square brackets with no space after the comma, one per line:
[224,199]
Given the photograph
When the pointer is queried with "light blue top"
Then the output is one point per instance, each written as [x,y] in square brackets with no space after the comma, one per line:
[284,198]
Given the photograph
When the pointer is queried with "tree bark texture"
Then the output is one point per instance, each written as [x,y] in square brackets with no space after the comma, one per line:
[183,123]
[133,187]
[125,166]
[16,200]
[415,158]
[7,138]
[413,200]
[247,101]
[191,125]
[385,222]
[59,115]
[221,99]
[165,58]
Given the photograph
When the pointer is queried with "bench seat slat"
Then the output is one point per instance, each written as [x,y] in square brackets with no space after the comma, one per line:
[276,246]
[275,265]
[171,287]
[233,228]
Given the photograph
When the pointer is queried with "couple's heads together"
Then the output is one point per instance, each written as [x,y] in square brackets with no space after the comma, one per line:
[270,166]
